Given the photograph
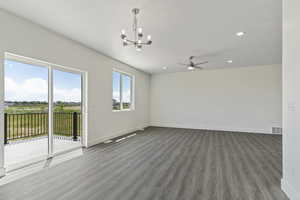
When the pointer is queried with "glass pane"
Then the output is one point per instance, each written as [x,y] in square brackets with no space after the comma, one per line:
[26,111]
[116,90]
[67,114]
[126,91]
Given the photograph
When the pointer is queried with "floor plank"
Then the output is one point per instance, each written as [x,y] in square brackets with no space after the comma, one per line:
[164,164]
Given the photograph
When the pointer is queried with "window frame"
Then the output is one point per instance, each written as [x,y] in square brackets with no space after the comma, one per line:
[132,85]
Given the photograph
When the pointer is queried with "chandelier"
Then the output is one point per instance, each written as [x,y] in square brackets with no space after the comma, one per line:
[137,42]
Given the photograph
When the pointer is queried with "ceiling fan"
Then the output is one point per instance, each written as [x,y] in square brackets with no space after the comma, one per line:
[191,65]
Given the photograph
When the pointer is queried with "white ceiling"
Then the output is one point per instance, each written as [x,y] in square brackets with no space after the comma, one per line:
[205,28]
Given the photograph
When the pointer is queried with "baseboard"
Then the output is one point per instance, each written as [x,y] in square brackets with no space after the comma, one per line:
[289,190]
[114,135]
[244,130]
[2,172]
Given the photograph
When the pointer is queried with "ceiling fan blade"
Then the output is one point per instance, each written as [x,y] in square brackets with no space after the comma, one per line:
[185,64]
[201,63]
[198,67]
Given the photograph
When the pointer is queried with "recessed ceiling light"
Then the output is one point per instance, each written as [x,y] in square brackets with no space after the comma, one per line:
[164,68]
[229,61]
[240,34]
[191,68]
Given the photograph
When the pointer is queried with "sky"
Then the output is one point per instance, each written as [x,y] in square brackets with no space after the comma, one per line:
[25,82]
[126,85]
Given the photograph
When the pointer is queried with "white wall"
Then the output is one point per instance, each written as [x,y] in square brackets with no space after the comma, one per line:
[21,37]
[235,99]
[291,99]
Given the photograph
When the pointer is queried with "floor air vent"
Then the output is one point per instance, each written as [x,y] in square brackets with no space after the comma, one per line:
[126,137]
[276,130]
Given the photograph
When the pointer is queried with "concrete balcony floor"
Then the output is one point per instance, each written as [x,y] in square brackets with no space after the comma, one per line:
[17,152]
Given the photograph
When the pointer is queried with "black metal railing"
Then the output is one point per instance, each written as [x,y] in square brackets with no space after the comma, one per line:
[30,125]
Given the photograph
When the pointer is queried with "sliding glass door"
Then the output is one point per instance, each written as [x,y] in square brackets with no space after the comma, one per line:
[26,111]
[43,110]
[67,115]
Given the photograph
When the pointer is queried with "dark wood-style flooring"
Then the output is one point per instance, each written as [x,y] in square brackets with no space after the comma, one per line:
[164,164]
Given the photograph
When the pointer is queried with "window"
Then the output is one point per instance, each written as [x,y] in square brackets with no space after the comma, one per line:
[122,91]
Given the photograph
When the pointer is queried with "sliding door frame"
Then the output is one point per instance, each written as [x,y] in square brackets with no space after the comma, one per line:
[51,67]
[83,103]
[50,113]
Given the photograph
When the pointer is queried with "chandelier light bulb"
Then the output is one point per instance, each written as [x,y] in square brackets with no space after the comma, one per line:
[149,37]
[123,36]
[140,32]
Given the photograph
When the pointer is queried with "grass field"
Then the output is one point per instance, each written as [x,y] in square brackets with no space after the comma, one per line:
[41,108]
[24,121]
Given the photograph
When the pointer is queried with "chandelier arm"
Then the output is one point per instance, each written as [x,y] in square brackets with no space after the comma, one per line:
[201,63]
[131,41]
[130,44]
[144,43]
